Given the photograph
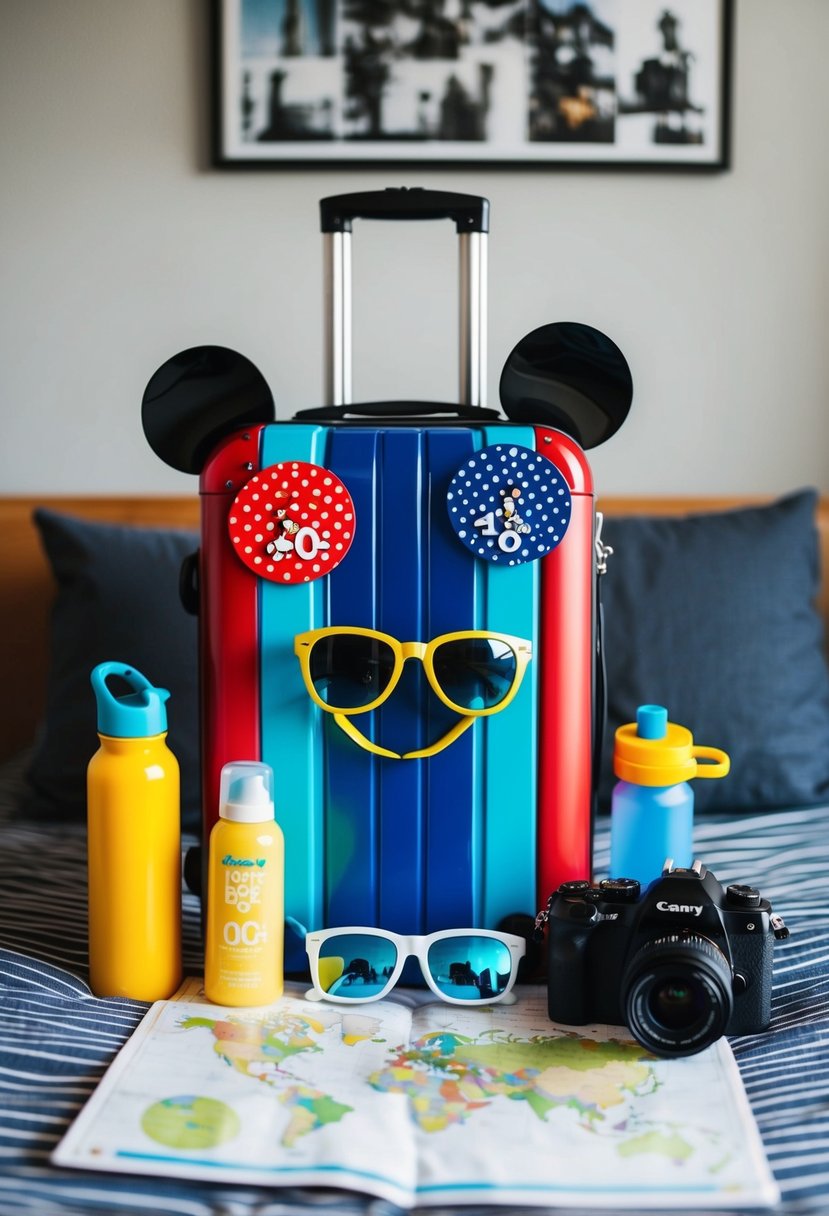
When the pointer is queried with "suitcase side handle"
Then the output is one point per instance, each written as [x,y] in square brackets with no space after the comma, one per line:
[470,212]
[396,409]
[188,584]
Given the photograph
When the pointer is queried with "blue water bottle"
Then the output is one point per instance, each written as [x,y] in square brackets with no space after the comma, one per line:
[652,810]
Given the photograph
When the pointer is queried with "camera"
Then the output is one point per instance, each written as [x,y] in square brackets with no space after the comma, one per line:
[679,964]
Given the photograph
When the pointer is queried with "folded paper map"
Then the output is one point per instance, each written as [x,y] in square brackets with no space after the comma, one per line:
[423,1104]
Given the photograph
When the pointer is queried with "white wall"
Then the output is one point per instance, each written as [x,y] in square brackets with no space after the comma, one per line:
[120,246]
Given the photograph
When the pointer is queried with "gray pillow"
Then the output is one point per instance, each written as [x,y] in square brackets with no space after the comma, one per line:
[117,598]
[713,616]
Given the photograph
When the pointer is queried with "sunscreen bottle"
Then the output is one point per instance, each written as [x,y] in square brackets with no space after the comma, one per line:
[652,810]
[133,843]
[243,962]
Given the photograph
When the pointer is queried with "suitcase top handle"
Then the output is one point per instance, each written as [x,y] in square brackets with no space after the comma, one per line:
[469,212]
[396,409]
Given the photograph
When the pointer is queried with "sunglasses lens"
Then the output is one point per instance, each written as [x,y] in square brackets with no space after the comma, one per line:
[470,968]
[349,671]
[475,673]
[356,965]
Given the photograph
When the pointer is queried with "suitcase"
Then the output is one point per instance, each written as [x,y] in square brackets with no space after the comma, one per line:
[467,793]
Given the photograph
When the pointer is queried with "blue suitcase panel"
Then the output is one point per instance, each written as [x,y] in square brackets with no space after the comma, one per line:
[352,877]
[401,584]
[421,844]
[452,793]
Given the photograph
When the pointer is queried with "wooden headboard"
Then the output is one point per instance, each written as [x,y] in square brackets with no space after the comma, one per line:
[27,588]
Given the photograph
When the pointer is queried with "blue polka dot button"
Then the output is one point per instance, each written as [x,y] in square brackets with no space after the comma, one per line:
[509,505]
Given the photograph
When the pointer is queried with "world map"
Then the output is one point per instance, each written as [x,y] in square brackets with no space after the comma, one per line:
[423,1103]
[444,1075]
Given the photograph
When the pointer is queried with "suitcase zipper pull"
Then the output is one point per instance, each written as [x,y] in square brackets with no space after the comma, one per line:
[541,921]
[603,551]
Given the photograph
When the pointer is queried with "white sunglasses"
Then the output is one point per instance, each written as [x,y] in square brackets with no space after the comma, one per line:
[353,964]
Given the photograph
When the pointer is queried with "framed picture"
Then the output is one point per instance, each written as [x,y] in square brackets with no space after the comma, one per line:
[598,83]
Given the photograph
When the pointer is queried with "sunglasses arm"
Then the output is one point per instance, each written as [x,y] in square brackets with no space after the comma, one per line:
[451,735]
[347,726]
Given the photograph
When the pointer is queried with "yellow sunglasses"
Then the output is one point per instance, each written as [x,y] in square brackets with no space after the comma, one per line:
[349,670]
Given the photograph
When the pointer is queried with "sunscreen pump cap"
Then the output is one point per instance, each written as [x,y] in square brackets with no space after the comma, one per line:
[653,751]
[246,792]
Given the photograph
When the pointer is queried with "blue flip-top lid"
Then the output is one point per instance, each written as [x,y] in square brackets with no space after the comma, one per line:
[133,715]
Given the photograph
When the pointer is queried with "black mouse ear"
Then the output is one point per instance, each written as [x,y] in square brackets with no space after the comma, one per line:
[569,376]
[198,397]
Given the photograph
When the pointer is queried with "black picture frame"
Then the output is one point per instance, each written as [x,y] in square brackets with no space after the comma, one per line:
[472,83]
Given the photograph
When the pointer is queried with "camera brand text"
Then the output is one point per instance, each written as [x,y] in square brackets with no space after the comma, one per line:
[691,909]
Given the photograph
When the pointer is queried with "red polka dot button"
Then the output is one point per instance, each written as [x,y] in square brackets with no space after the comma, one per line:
[293,522]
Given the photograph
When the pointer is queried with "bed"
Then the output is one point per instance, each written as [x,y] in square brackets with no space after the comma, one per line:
[56,1039]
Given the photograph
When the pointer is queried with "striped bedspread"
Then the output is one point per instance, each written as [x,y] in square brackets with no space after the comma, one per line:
[56,1039]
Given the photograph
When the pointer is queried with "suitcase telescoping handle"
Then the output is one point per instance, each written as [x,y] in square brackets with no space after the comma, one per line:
[471,216]
[469,211]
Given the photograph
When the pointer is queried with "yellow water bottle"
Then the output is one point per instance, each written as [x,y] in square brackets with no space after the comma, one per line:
[243,960]
[134,843]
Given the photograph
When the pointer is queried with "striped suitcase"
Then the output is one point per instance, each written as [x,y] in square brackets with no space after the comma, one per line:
[415,527]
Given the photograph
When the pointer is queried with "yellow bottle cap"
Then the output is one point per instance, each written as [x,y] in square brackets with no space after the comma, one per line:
[654,751]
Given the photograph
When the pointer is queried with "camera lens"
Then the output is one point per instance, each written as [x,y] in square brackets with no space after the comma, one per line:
[676,994]
[677,1003]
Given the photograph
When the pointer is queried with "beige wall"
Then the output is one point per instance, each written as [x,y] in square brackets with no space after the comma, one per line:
[119,246]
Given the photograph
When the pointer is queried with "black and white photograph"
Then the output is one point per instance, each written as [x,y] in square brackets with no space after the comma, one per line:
[544,82]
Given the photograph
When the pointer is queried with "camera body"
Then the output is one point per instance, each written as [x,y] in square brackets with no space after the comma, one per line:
[680,964]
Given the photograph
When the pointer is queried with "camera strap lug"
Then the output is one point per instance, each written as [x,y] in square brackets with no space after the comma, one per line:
[779,928]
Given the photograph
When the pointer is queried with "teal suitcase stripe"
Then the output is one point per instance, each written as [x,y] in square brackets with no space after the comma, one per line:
[351,776]
[291,727]
[511,595]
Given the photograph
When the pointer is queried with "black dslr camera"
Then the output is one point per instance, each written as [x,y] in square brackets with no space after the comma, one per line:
[680,964]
